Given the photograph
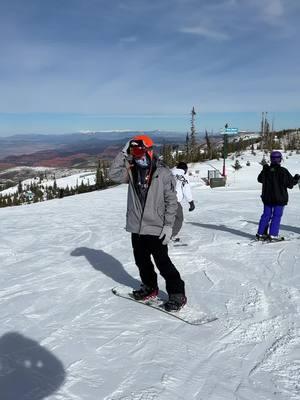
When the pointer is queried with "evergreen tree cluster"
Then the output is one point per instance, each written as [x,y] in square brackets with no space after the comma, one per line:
[39,191]
[286,139]
[192,151]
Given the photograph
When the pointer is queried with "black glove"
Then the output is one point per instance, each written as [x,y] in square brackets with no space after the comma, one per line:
[296,178]
[192,206]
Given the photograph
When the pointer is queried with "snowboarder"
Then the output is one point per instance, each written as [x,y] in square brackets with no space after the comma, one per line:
[184,192]
[275,181]
[151,210]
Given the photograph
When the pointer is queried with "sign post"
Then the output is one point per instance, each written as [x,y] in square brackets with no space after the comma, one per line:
[224,153]
[226,132]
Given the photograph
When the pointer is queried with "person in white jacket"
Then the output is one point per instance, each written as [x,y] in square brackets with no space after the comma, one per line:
[184,192]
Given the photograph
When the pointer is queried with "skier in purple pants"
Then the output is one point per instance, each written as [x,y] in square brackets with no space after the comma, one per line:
[275,181]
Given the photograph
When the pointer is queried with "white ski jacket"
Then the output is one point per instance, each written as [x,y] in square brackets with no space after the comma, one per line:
[183,187]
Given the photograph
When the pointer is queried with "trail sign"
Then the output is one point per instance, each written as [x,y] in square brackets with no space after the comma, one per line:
[232,131]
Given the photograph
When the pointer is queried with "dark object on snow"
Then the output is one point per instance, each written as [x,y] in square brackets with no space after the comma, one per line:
[217,182]
[192,206]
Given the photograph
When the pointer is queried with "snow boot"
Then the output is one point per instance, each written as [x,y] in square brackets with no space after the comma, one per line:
[261,238]
[275,238]
[176,302]
[145,293]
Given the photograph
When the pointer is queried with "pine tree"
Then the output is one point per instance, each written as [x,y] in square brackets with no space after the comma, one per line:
[20,187]
[193,142]
[263,161]
[16,200]
[105,168]
[187,147]
[262,130]
[208,145]
[167,155]
[237,165]
[67,191]
[99,177]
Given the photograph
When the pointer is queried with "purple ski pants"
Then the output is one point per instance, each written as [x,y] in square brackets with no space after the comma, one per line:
[271,214]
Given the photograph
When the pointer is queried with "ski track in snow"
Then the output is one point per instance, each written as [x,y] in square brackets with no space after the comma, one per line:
[60,259]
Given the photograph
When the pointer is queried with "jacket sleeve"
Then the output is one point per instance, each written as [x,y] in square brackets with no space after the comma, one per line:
[296,179]
[290,181]
[261,176]
[170,199]
[118,170]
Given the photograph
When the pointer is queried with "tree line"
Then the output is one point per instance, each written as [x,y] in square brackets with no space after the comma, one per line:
[38,190]
[210,148]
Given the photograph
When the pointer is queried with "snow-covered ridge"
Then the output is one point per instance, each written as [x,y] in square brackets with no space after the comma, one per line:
[197,171]
[71,181]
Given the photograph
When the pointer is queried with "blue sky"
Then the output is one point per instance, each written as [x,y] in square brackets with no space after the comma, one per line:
[97,64]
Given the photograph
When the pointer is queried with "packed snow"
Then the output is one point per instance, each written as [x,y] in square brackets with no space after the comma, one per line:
[66,336]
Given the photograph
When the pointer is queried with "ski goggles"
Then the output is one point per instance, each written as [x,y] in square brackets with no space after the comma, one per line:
[138,148]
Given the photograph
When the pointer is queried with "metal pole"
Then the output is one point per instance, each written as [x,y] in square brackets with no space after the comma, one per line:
[224,154]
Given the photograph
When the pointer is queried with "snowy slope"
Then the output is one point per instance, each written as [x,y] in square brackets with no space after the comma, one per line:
[65,336]
[86,177]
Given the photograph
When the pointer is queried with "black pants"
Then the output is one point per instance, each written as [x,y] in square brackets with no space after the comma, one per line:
[143,247]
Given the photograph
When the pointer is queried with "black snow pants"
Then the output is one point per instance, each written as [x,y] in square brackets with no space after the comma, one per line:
[145,246]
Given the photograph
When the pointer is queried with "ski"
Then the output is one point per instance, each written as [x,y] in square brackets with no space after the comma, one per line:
[186,314]
[264,242]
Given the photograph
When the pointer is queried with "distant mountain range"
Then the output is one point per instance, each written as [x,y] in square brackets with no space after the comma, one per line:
[82,149]
[71,150]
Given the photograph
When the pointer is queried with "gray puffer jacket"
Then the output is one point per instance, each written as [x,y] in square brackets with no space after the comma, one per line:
[161,203]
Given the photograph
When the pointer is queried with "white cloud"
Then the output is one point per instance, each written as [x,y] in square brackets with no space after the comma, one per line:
[274,8]
[271,10]
[128,39]
[208,33]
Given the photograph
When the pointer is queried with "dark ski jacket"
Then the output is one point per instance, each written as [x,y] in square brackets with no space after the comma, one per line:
[275,181]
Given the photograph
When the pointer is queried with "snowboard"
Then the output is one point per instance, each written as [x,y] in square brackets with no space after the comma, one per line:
[187,314]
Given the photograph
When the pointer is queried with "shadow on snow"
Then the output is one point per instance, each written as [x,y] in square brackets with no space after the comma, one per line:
[108,265]
[288,228]
[223,228]
[27,370]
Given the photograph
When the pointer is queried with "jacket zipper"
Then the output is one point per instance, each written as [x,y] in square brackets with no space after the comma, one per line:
[136,194]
